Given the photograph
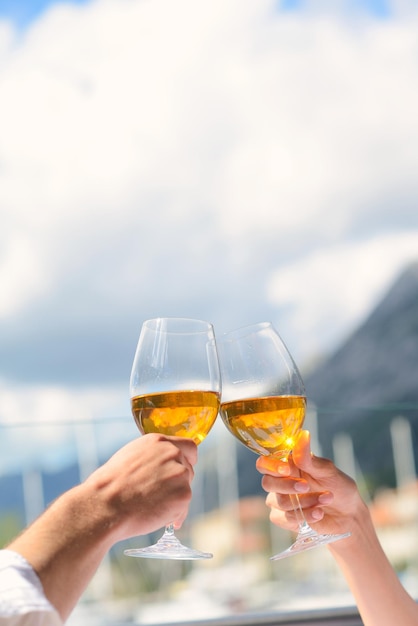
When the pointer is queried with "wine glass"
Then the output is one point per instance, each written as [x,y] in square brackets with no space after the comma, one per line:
[263,405]
[175,389]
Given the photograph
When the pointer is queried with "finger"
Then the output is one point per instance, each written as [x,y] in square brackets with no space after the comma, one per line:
[284,519]
[279,502]
[307,501]
[285,485]
[186,446]
[272,465]
[301,453]
[289,521]
[313,514]
[177,523]
[305,460]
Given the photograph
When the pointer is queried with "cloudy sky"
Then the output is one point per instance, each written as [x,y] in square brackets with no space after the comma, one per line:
[236,161]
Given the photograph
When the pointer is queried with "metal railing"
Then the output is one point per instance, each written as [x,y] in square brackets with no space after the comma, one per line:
[325,617]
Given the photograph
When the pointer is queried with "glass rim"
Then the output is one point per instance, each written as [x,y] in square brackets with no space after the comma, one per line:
[178,325]
[244,331]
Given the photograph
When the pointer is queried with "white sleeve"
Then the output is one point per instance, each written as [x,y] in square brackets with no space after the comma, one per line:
[22,598]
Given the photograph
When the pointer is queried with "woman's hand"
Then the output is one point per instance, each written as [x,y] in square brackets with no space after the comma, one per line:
[329,497]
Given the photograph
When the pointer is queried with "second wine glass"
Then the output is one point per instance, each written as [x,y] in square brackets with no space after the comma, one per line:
[263,405]
[175,389]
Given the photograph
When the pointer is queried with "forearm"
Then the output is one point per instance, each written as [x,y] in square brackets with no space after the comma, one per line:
[135,492]
[380,597]
[66,544]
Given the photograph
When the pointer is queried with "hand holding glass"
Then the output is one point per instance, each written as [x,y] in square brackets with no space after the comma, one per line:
[264,404]
[175,390]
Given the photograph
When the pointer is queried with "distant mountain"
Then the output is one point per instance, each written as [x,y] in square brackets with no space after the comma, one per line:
[372,378]
[369,380]
[53,484]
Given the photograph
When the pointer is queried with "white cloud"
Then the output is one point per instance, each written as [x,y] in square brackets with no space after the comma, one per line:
[158,156]
[6,40]
[21,274]
[29,403]
[338,285]
[54,420]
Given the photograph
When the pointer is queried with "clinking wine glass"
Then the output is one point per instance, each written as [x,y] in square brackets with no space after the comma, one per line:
[175,389]
[263,405]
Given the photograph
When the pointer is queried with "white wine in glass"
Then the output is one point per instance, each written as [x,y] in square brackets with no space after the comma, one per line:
[175,389]
[264,404]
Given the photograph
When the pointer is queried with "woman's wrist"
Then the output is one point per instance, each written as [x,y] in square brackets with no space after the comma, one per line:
[363,534]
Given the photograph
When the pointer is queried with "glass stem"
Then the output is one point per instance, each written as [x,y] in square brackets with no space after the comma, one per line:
[304,527]
[169,530]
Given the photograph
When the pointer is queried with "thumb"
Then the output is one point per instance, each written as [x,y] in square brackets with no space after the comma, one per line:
[301,453]
[317,467]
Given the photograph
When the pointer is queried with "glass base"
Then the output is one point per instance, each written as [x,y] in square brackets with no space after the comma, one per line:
[307,542]
[168,547]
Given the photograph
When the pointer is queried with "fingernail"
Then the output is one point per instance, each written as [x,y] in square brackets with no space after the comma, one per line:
[317,514]
[325,498]
[301,487]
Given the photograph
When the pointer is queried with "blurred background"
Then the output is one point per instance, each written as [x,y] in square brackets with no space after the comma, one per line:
[235,162]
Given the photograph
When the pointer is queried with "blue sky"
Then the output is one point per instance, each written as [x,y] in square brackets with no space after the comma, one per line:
[23,12]
[379,8]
